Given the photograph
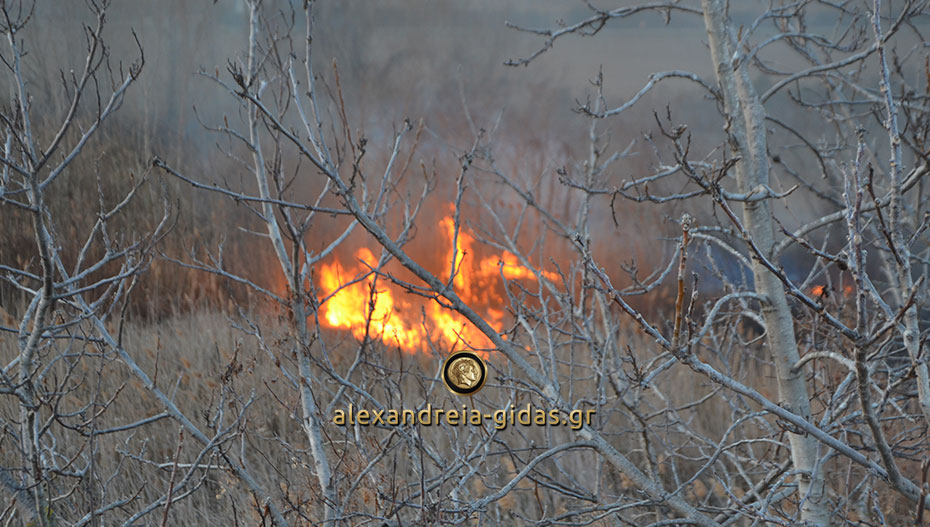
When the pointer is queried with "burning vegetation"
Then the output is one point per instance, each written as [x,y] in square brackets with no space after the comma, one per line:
[358,297]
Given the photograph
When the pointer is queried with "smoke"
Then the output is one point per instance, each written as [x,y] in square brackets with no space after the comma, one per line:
[441,62]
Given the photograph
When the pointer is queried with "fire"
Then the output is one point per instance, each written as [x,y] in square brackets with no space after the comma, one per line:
[349,307]
[357,300]
[819,290]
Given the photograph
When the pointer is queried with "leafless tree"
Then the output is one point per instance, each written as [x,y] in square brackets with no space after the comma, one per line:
[62,413]
[764,365]
[849,82]
[776,458]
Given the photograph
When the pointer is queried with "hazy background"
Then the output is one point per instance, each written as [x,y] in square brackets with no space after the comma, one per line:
[442,62]
[439,61]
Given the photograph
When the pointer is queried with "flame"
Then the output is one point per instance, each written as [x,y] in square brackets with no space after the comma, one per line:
[349,307]
[819,290]
[360,301]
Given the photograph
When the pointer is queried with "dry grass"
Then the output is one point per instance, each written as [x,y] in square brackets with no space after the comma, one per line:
[207,365]
[200,359]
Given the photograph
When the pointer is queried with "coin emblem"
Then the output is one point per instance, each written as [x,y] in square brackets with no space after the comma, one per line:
[464,373]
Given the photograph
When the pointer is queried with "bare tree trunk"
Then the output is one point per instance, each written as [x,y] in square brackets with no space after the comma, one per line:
[29,424]
[900,247]
[310,410]
[312,417]
[745,118]
[29,407]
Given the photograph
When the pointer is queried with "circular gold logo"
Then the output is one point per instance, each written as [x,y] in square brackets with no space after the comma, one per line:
[464,373]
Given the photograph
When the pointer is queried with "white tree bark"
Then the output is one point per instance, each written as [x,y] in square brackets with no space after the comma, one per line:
[311,413]
[745,116]
[900,246]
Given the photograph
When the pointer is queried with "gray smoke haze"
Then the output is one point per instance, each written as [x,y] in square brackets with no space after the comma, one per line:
[417,59]
[397,58]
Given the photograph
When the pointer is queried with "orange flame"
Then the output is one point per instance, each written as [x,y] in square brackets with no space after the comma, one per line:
[819,290]
[358,301]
